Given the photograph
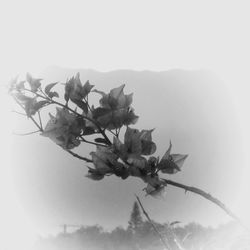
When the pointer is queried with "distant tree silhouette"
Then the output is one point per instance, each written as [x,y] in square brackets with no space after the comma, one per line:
[135,223]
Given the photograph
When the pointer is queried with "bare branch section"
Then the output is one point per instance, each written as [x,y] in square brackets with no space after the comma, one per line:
[79,157]
[166,245]
[208,197]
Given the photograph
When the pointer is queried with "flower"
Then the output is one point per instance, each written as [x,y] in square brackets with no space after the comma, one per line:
[64,129]
[171,163]
[115,109]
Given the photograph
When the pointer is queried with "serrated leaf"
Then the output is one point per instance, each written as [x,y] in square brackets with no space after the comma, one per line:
[130,118]
[49,87]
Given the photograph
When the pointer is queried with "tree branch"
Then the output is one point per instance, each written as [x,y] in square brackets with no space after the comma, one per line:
[166,245]
[206,196]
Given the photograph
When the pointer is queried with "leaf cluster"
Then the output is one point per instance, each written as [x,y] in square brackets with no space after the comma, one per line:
[76,119]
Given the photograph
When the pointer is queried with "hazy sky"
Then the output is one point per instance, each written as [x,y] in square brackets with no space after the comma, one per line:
[208,121]
[194,109]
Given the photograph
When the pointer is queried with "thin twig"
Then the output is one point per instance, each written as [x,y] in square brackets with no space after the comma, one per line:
[30,133]
[19,113]
[79,156]
[40,120]
[166,245]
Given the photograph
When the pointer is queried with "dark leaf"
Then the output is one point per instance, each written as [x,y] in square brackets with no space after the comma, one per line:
[100,112]
[175,222]
[121,171]
[101,140]
[30,107]
[132,141]
[94,174]
[86,89]
[81,104]
[66,96]
[171,163]
[53,94]
[88,131]
[148,147]
[104,159]
[49,87]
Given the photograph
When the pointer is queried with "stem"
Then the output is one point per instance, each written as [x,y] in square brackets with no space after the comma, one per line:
[78,156]
[40,120]
[30,133]
[19,113]
[206,196]
[153,225]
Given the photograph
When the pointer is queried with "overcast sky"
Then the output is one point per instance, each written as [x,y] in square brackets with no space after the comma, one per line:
[137,35]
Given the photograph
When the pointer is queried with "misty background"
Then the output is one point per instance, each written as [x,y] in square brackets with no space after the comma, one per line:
[204,49]
[193,109]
